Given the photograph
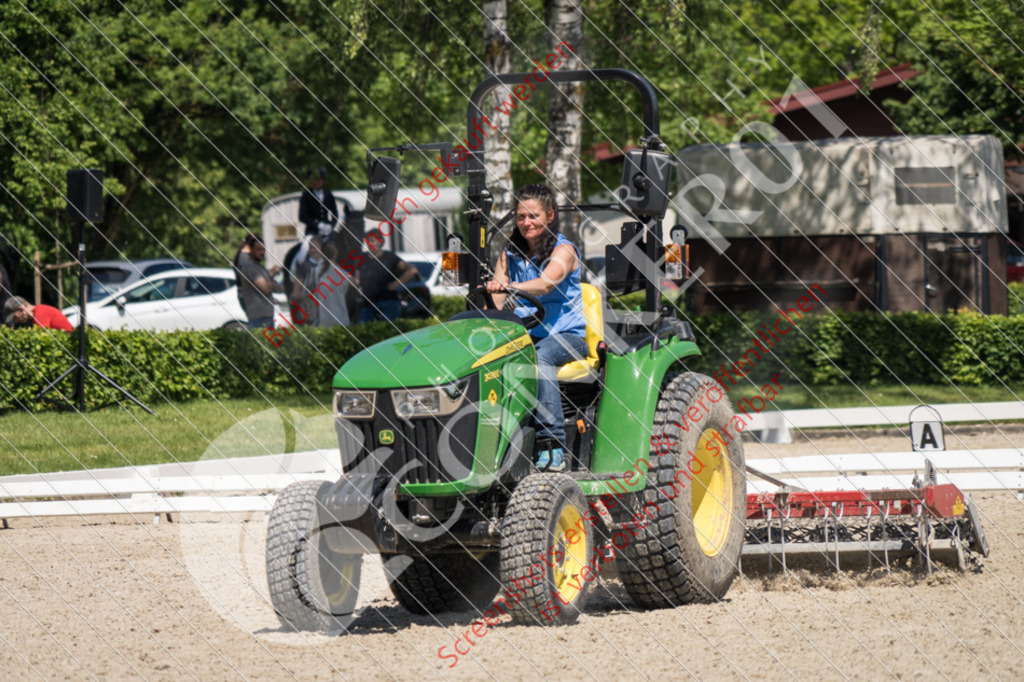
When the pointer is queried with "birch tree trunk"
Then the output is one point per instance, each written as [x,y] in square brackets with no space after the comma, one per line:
[498,60]
[565,111]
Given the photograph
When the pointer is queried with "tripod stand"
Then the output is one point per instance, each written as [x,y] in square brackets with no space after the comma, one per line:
[81,364]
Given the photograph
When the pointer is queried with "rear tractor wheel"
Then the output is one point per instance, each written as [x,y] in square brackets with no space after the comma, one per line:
[435,583]
[695,500]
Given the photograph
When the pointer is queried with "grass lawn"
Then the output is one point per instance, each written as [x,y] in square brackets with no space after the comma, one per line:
[113,437]
[797,397]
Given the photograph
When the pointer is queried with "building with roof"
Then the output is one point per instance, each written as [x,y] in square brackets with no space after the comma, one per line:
[817,113]
[885,221]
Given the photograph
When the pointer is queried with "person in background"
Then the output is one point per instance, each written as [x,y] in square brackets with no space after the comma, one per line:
[243,252]
[380,278]
[305,276]
[256,284]
[318,211]
[539,260]
[18,313]
[333,305]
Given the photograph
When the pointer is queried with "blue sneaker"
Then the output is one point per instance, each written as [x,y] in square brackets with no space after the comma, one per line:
[543,459]
[557,460]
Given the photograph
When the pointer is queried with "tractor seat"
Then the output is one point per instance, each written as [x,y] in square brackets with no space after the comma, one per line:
[586,370]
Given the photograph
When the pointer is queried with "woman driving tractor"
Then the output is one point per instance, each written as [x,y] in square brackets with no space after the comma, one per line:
[539,260]
[435,455]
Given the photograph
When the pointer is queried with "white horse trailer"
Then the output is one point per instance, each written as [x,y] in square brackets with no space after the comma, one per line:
[885,223]
[423,230]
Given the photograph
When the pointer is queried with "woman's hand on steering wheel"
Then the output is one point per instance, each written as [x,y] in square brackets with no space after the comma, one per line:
[480,292]
[530,321]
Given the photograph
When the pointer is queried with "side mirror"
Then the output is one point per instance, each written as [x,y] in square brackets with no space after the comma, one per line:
[646,179]
[624,261]
[382,192]
[119,302]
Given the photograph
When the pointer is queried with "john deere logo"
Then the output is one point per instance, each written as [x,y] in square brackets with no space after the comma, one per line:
[386,437]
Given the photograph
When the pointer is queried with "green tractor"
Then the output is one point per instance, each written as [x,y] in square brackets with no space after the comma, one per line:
[437,443]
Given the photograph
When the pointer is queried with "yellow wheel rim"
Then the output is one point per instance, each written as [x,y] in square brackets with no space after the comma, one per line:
[347,580]
[711,492]
[568,571]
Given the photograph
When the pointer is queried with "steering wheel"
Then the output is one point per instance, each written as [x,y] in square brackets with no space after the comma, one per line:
[530,321]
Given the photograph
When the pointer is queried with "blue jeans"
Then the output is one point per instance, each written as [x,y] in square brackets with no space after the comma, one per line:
[261,322]
[388,310]
[552,353]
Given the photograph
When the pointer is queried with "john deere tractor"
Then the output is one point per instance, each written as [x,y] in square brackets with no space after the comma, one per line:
[437,439]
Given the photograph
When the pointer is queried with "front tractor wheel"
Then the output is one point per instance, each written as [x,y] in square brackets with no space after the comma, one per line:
[311,586]
[546,541]
[695,500]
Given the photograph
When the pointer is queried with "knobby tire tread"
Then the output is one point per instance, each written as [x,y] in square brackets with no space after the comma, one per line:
[437,583]
[526,533]
[661,567]
[293,561]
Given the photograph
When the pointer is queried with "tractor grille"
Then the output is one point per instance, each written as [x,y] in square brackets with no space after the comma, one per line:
[440,449]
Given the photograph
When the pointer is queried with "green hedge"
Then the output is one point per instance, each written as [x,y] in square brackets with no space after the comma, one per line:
[870,348]
[867,348]
[1016,294]
[183,365]
[862,348]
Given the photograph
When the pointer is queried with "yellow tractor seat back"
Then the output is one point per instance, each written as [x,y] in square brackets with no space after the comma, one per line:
[586,369]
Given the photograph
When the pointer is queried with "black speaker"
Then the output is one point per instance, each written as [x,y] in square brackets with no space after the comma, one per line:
[85,195]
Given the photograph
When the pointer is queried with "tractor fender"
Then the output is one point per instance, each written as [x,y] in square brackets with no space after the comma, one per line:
[348,517]
[626,412]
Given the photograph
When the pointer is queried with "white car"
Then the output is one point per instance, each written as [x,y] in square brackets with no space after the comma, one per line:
[428,263]
[110,276]
[196,298]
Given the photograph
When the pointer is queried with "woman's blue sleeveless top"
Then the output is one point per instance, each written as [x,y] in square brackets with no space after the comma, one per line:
[563,305]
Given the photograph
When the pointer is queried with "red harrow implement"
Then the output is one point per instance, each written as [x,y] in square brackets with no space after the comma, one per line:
[933,522]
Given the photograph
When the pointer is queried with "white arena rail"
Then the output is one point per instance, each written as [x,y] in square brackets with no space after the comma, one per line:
[250,484]
[239,484]
[969,470]
[775,426]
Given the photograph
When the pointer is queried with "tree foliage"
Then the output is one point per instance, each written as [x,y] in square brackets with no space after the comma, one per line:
[969,56]
[198,111]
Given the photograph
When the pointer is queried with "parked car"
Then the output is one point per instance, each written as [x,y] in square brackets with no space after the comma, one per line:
[109,276]
[1014,262]
[428,263]
[194,298]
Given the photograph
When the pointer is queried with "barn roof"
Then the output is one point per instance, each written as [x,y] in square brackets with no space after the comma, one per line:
[840,89]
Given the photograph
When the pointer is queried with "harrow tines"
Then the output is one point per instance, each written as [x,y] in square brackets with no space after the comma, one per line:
[926,524]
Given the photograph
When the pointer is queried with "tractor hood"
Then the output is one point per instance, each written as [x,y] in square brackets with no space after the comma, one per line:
[431,356]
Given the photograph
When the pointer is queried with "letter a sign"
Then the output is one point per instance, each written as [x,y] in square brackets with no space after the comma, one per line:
[926,432]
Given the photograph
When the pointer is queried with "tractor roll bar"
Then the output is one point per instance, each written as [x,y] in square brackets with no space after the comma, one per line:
[643,86]
[480,200]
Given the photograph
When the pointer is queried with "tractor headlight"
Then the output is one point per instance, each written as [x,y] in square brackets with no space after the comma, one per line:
[420,402]
[354,404]
[429,402]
